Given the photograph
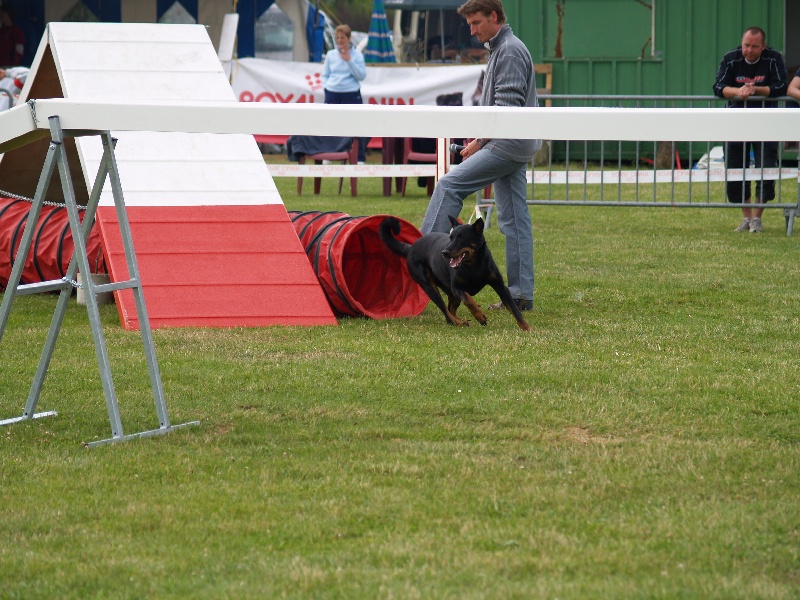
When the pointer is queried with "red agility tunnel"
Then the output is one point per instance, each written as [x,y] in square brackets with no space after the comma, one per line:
[358,273]
[52,243]
[308,224]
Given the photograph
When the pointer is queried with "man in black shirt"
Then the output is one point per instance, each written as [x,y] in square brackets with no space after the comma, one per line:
[750,71]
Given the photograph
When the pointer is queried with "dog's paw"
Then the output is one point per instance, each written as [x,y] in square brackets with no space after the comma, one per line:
[456,322]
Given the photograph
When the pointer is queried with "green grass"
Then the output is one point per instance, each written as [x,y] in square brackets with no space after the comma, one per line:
[642,442]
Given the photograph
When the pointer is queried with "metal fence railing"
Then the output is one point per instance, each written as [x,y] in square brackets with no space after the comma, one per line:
[654,173]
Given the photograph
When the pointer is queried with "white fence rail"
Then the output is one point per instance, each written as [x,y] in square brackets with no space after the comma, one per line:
[25,122]
[626,124]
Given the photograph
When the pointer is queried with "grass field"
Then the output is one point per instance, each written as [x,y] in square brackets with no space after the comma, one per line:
[642,442]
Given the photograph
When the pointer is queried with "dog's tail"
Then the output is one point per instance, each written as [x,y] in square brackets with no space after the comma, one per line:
[389,228]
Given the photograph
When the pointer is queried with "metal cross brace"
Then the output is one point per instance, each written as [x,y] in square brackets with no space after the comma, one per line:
[57,158]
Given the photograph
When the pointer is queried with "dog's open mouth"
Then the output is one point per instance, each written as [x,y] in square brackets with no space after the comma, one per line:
[454,262]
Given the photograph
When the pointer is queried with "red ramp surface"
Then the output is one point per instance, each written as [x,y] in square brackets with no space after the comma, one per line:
[215,266]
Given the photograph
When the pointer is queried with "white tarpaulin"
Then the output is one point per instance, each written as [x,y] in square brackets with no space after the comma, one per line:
[274,81]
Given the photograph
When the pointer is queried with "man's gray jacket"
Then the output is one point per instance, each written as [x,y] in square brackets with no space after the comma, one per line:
[510,80]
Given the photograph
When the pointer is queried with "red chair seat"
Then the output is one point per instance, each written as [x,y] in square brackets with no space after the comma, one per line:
[409,155]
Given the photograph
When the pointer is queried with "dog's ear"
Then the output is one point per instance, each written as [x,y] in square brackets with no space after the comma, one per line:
[478,225]
[453,221]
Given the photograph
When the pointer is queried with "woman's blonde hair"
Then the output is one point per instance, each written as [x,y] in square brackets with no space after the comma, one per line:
[345,29]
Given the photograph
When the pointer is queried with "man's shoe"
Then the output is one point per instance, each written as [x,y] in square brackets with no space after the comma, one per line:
[744,225]
[521,303]
[756,226]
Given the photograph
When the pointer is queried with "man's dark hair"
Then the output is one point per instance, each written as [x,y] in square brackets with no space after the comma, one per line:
[757,31]
[470,7]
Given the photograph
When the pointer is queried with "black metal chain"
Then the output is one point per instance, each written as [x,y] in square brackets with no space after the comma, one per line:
[6,194]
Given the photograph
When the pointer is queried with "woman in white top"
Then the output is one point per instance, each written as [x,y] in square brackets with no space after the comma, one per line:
[342,76]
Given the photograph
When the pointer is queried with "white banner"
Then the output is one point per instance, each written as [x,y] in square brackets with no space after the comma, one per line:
[275,81]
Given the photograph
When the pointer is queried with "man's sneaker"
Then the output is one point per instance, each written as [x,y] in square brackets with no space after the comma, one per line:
[521,303]
[744,225]
[756,226]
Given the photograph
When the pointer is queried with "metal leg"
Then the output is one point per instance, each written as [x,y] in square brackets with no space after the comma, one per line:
[13,285]
[133,270]
[85,268]
[489,207]
[790,213]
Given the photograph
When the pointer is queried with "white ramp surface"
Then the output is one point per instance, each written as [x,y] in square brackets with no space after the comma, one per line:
[121,61]
[201,206]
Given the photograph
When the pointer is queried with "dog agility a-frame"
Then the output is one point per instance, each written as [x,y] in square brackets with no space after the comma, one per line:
[216,245]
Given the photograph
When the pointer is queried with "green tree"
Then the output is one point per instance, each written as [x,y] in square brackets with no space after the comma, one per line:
[356,13]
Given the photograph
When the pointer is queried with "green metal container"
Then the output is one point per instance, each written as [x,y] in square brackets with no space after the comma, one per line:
[644,47]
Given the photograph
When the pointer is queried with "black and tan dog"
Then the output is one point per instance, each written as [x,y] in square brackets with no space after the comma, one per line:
[460,264]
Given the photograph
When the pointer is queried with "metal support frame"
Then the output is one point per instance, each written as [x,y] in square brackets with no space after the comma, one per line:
[57,158]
